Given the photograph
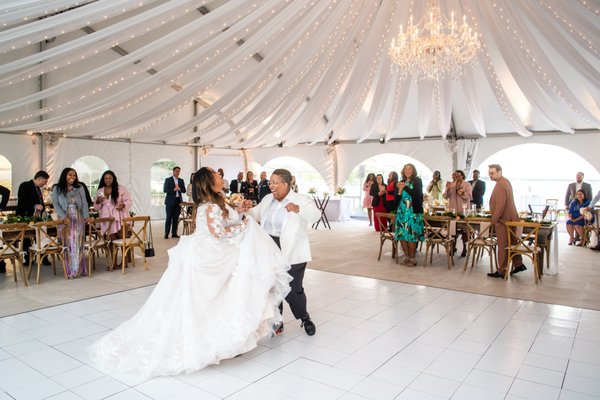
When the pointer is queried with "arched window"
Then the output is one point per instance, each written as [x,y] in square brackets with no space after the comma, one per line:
[160,171]
[6,173]
[379,164]
[307,177]
[89,171]
[538,172]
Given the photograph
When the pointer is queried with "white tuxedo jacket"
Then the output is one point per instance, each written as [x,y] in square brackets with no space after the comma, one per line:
[295,245]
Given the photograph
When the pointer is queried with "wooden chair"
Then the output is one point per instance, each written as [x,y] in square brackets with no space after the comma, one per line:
[133,236]
[97,242]
[437,233]
[188,217]
[11,246]
[482,238]
[592,225]
[49,239]
[553,208]
[387,232]
[523,241]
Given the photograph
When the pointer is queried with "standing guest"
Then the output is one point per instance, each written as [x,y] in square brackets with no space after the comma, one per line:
[477,190]
[294,185]
[576,221]
[285,215]
[391,192]
[378,195]
[436,186]
[250,187]
[5,195]
[503,209]
[112,200]
[217,299]
[188,190]
[368,199]
[29,197]
[573,187]
[409,217]
[30,202]
[263,186]
[225,182]
[174,187]
[68,199]
[590,208]
[236,184]
[458,193]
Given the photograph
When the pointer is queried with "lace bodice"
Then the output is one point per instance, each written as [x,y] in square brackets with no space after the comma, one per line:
[210,222]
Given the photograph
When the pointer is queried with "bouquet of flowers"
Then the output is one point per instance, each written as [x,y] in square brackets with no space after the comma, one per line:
[234,200]
[340,190]
[312,190]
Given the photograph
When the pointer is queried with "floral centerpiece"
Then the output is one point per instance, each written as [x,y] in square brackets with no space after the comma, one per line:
[234,199]
[312,190]
[340,190]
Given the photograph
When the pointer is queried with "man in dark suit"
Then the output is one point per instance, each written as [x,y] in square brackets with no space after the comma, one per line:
[5,194]
[174,186]
[573,187]
[503,209]
[477,190]
[29,197]
[30,202]
[236,185]
[263,186]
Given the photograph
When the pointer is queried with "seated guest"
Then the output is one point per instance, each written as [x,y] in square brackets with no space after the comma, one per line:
[458,193]
[575,221]
[5,194]
[112,200]
[250,187]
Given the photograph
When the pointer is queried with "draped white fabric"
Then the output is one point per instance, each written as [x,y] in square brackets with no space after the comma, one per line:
[304,71]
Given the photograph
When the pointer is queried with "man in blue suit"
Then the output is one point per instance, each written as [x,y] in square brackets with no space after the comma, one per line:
[174,186]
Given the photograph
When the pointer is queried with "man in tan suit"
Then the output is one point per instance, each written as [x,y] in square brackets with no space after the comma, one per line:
[502,206]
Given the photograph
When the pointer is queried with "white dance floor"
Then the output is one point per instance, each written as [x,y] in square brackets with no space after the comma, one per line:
[375,340]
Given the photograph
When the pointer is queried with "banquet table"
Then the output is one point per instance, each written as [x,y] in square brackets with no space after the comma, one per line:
[338,209]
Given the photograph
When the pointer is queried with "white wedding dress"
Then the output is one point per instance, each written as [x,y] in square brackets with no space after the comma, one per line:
[218,297]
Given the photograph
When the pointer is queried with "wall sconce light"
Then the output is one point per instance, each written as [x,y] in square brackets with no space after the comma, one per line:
[382,140]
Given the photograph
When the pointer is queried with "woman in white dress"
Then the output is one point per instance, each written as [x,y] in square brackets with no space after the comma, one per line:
[218,297]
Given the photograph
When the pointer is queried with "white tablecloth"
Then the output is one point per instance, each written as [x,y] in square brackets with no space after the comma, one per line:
[338,209]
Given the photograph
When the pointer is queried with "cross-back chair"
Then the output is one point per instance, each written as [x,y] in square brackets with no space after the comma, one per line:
[188,217]
[50,237]
[134,234]
[387,223]
[592,225]
[98,242]
[523,241]
[11,246]
[437,233]
[482,238]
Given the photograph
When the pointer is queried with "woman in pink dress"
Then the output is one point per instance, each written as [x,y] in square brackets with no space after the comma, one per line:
[368,199]
[112,200]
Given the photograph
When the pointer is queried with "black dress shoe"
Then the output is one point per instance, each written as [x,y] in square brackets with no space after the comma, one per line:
[166,236]
[464,253]
[496,274]
[309,326]
[46,261]
[518,269]
[597,248]
[175,236]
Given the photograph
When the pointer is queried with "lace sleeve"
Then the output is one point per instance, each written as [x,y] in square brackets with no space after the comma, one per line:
[216,224]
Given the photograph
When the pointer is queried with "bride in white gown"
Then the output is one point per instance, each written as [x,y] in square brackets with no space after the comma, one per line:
[218,297]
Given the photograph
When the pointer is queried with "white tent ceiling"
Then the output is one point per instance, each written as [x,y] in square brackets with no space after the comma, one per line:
[241,74]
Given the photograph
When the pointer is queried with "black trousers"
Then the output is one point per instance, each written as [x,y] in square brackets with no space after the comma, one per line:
[172,219]
[296,298]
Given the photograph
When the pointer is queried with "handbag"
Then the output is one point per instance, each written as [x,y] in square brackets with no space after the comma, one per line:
[149,250]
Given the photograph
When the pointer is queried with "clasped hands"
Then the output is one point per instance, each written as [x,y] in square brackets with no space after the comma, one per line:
[247,205]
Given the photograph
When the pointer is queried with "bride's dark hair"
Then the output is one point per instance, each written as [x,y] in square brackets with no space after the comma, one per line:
[203,190]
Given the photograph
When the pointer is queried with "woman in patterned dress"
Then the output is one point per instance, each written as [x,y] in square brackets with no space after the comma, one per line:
[409,217]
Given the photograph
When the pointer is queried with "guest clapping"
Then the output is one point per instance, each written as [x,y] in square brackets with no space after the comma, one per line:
[112,200]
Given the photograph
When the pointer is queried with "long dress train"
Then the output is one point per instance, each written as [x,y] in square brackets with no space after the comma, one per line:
[218,297]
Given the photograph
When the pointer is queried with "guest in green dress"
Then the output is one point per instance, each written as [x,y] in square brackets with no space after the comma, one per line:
[409,217]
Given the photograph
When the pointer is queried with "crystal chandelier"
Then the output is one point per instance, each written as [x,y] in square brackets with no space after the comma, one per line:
[435,48]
